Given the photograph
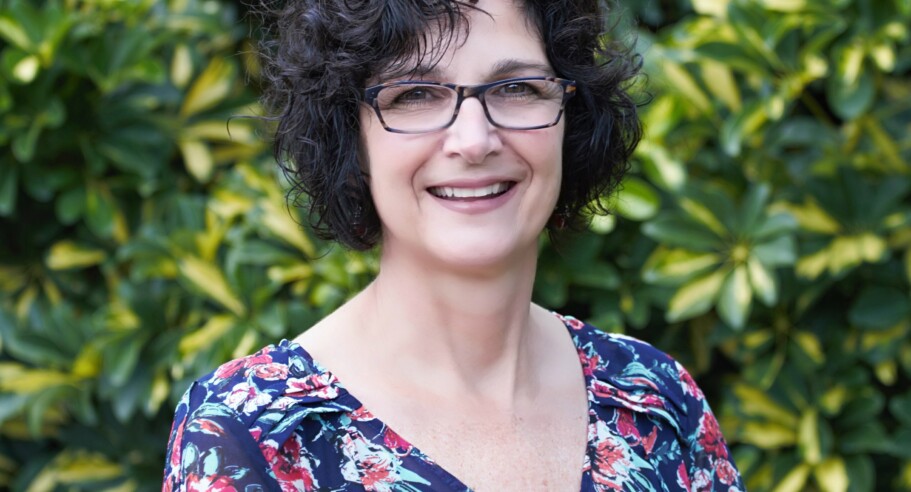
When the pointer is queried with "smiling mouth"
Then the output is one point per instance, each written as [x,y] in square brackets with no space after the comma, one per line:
[453,193]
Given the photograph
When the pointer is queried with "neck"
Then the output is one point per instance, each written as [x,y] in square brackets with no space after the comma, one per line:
[469,331]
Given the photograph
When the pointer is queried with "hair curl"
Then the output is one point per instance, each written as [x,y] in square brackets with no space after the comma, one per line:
[319,54]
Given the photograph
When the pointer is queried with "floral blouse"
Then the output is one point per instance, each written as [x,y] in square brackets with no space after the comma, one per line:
[277,420]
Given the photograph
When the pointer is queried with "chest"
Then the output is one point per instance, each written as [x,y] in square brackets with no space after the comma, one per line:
[517,454]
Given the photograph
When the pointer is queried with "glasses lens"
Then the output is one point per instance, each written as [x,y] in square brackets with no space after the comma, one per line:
[523,104]
[416,107]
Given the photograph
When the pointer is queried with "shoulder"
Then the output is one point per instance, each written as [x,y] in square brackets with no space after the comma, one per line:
[255,391]
[627,372]
[614,354]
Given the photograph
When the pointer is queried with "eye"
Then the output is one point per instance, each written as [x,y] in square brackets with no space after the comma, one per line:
[416,94]
[517,88]
[413,96]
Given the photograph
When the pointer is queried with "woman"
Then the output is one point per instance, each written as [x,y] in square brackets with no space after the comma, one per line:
[453,134]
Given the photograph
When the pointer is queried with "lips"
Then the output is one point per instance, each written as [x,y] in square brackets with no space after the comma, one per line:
[471,193]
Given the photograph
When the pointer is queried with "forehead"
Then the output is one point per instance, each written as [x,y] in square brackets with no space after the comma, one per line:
[495,37]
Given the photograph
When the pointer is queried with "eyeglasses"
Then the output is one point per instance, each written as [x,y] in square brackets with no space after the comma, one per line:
[524,103]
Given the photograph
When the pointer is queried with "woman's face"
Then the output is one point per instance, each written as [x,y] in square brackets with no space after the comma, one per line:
[412,174]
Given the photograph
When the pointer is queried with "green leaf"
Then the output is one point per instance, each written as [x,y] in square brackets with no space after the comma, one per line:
[9,177]
[808,437]
[736,298]
[762,281]
[599,275]
[208,279]
[677,229]
[99,211]
[743,124]
[752,207]
[774,225]
[880,308]
[795,480]
[661,168]
[900,407]
[852,89]
[696,297]
[637,200]
[832,475]
[781,251]
[210,88]
[672,266]
[68,254]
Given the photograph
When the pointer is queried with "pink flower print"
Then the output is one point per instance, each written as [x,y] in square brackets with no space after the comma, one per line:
[207,426]
[648,442]
[361,414]
[702,480]
[374,467]
[246,399]
[573,323]
[176,446]
[228,369]
[710,436]
[683,478]
[271,372]
[394,441]
[209,483]
[627,426]
[589,363]
[290,465]
[316,385]
[726,472]
[612,460]
[689,385]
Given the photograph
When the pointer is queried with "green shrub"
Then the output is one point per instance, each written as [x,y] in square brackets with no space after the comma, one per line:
[763,236]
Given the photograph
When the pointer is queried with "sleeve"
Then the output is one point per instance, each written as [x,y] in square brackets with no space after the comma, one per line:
[210,449]
[710,465]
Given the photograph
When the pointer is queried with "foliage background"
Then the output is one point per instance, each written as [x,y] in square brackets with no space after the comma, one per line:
[763,237]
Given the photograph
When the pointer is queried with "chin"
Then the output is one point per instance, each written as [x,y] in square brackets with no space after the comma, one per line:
[490,252]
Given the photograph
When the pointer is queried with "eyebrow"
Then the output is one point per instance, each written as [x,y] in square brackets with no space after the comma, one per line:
[503,68]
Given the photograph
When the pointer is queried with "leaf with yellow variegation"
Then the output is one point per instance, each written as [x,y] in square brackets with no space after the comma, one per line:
[810,216]
[705,216]
[28,381]
[280,223]
[696,297]
[285,274]
[762,281]
[809,345]
[88,362]
[679,80]
[811,266]
[808,437]
[671,266]
[832,475]
[210,88]
[662,169]
[215,328]
[208,279]
[66,254]
[720,81]
[73,467]
[757,403]
[161,386]
[795,480]
[181,66]
[736,298]
[767,435]
[198,159]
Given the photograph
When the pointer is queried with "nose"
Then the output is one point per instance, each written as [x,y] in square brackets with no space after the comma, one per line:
[471,136]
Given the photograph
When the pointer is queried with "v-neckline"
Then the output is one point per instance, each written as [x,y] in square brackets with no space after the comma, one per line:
[427,461]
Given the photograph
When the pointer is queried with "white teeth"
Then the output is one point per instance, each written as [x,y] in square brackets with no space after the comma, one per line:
[452,192]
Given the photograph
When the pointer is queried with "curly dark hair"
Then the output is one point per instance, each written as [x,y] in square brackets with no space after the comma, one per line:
[319,54]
